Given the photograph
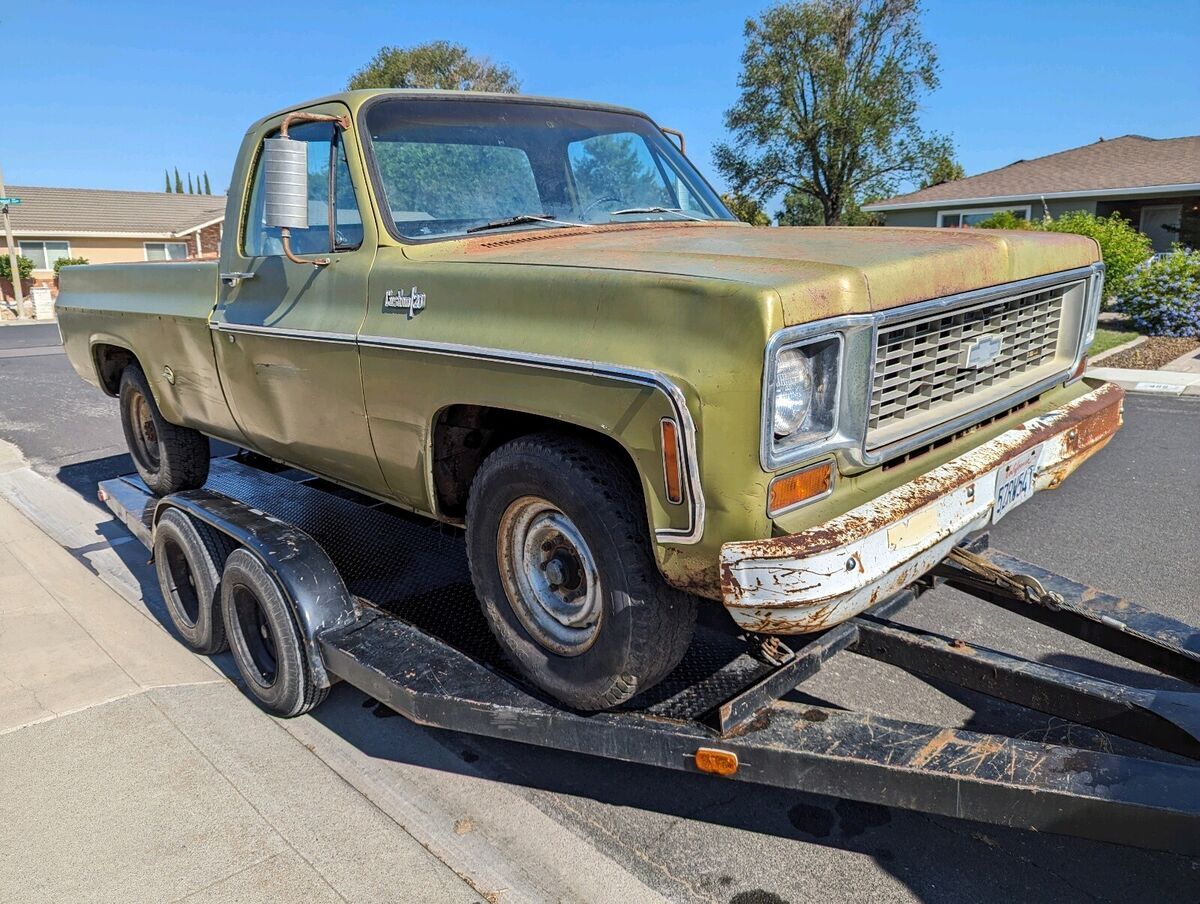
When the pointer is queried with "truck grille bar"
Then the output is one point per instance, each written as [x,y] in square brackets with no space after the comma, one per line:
[925,372]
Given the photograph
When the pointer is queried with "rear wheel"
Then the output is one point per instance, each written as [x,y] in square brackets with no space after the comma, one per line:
[561,559]
[188,557]
[264,639]
[169,458]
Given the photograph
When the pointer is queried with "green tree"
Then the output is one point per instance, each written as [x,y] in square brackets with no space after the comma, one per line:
[748,210]
[207,187]
[944,169]
[167,179]
[800,209]
[191,191]
[436,64]
[830,91]
[178,182]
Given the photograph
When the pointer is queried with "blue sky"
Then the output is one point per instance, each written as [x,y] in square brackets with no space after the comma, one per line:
[108,94]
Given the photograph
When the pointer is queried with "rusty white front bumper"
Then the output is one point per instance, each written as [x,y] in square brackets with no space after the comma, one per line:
[819,577]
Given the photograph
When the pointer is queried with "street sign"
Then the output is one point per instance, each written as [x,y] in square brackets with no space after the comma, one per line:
[10,201]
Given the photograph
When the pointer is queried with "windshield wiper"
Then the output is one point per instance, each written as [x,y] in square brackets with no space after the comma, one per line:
[678,210]
[521,219]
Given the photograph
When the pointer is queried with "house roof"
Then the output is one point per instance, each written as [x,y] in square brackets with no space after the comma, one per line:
[99,212]
[1129,165]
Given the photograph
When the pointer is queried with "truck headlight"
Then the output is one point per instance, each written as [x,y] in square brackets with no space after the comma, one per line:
[793,391]
[803,392]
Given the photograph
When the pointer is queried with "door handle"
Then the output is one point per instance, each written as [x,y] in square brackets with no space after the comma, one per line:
[232,279]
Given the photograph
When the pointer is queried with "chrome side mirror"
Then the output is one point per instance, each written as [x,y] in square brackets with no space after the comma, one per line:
[285,183]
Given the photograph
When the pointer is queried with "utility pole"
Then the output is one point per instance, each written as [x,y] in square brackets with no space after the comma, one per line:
[12,255]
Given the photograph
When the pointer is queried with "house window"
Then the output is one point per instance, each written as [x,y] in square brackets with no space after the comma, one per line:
[44,254]
[166,251]
[975,215]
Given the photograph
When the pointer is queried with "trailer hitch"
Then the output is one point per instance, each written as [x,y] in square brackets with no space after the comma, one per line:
[1022,586]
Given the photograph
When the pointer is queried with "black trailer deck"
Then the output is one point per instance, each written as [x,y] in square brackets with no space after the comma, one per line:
[387,603]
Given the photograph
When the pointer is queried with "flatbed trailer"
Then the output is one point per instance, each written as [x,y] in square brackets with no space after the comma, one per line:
[383,600]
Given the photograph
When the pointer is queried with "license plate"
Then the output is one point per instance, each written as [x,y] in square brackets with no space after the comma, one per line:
[1014,482]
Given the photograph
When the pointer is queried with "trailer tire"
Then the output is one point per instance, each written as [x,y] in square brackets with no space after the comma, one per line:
[265,640]
[571,511]
[189,557]
[168,458]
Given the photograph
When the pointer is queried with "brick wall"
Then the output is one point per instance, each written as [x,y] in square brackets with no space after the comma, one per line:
[210,240]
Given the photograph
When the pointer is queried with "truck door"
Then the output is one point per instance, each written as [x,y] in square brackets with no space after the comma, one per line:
[284,332]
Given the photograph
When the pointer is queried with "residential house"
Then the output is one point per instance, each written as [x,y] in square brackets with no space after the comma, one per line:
[112,226]
[1153,182]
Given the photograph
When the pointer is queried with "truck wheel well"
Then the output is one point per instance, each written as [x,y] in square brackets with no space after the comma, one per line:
[464,435]
[111,361]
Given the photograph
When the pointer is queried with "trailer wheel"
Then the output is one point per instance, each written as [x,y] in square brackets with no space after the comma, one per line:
[561,559]
[169,458]
[264,639]
[189,556]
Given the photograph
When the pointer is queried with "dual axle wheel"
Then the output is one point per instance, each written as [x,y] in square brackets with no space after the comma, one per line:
[220,597]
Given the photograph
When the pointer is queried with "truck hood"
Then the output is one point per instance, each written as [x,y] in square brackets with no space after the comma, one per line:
[817,271]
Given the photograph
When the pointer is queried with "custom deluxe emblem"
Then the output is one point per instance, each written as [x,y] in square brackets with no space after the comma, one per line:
[981,352]
[396,302]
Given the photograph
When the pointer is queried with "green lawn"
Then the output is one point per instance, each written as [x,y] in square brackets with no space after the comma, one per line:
[1106,339]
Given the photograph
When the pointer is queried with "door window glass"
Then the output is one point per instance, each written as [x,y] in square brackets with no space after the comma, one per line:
[327,166]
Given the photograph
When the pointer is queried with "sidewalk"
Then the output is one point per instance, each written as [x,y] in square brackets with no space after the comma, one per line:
[131,770]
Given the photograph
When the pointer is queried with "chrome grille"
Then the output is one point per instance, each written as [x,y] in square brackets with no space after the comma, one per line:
[921,372]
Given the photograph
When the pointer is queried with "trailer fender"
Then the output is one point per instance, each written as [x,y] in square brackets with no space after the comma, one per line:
[301,568]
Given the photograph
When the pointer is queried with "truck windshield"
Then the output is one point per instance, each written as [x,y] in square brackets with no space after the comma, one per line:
[445,167]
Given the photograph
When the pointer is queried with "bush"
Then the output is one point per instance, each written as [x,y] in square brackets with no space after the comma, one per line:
[1162,296]
[1005,219]
[69,262]
[1122,248]
[24,266]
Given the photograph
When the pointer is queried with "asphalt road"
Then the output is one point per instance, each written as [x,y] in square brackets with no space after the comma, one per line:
[1128,521]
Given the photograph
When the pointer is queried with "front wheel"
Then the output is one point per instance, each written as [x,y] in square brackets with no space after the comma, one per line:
[561,559]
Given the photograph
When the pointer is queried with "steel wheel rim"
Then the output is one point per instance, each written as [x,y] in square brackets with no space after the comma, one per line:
[257,637]
[145,434]
[549,575]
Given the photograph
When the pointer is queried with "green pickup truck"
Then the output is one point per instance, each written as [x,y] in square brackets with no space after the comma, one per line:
[534,319]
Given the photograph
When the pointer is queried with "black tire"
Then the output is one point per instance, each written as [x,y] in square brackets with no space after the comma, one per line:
[640,627]
[169,458]
[189,557]
[265,640]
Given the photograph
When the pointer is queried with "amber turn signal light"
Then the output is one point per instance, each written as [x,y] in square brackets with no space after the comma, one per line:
[672,474]
[790,490]
[718,762]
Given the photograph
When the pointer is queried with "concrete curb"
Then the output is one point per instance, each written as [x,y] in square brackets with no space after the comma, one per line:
[1117,349]
[1160,382]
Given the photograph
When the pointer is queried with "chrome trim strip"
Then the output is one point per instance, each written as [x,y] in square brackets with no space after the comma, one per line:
[652,378]
[281,333]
